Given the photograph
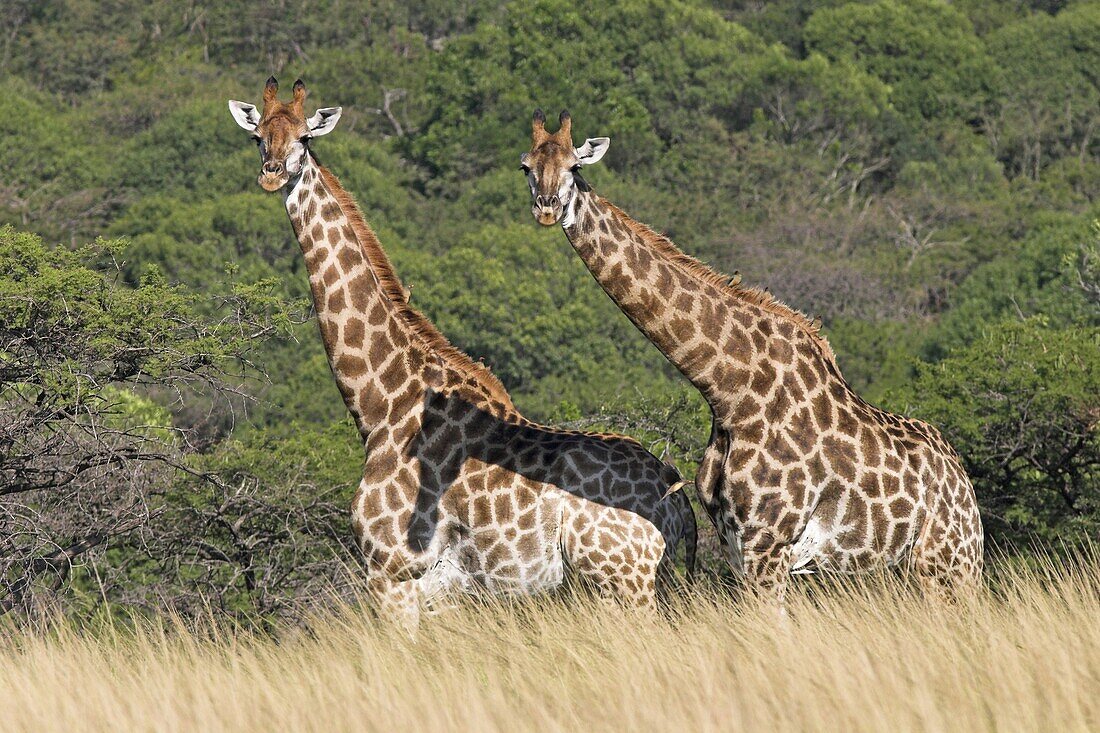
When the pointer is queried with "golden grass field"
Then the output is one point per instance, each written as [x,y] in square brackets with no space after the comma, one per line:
[1024,655]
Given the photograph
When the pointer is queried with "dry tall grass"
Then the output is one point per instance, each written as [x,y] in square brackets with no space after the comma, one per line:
[873,656]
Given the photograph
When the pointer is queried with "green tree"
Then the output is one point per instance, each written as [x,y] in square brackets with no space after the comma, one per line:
[79,461]
[1022,407]
[926,50]
[1049,100]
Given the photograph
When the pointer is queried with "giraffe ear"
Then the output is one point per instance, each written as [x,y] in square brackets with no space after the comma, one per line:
[245,114]
[324,121]
[592,150]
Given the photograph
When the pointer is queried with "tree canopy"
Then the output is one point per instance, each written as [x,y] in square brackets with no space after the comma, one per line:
[923,175]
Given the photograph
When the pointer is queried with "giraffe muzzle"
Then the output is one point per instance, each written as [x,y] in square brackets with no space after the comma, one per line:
[547,210]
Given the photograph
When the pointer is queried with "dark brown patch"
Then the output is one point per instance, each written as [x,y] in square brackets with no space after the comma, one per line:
[394,375]
[841,455]
[361,288]
[780,450]
[699,357]
[880,523]
[380,350]
[377,315]
[504,509]
[310,211]
[901,507]
[331,275]
[404,402]
[846,422]
[737,347]
[753,432]
[777,408]
[763,379]
[372,404]
[350,366]
[870,484]
[855,516]
[682,329]
[823,412]
[354,332]
[801,431]
[806,372]
[349,258]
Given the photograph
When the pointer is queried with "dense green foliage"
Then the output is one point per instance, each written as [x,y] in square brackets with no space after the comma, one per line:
[88,452]
[922,174]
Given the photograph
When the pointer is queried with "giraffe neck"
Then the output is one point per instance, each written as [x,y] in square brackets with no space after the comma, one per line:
[674,308]
[373,351]
[720,335]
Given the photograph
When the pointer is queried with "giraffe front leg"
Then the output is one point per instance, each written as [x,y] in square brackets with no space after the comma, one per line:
[396,602]
[767,566]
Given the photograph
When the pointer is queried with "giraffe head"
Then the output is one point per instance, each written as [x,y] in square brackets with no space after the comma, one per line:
[282,132]
[552,168]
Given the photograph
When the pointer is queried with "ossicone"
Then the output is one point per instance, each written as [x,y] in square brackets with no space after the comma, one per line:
[538,127]
[271,90]
[564,134]
[299,95]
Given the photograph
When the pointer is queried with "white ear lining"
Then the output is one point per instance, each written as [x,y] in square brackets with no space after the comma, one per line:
[324,121]
[244,114]
[592,150]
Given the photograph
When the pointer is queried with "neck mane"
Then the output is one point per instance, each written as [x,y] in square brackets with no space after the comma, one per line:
[392,289]
[663,247]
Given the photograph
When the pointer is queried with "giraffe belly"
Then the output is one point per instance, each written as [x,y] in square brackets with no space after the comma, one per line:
[446,576]
[813,550]
[819,548]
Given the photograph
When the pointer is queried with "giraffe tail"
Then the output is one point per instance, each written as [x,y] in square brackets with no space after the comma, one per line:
[691,527]
[691,537]
[674,488]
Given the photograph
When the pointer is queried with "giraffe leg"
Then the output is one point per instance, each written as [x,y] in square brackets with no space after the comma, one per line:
[633,587]
[767,566]
[945,569]
[633,584]
[396,602]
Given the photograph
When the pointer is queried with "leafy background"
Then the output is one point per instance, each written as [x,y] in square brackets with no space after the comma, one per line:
[923,175]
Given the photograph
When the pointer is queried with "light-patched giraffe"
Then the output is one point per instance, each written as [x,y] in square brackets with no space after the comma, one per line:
[459,491]
[800,473]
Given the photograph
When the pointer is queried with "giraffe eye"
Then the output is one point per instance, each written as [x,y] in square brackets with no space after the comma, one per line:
[526,170]
[256,139]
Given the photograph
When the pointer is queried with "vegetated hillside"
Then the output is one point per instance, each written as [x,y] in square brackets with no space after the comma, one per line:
[924,175]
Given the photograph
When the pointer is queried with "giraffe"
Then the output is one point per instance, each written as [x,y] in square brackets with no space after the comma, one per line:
[800,474]
[459,491]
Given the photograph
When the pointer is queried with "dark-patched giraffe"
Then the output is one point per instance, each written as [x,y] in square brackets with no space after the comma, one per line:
[459,491]
[800,474]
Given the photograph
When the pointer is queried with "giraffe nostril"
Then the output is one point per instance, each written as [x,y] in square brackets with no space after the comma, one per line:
[272,167]
[554,200]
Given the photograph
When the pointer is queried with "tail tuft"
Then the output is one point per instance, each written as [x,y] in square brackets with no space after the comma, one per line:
[691,534]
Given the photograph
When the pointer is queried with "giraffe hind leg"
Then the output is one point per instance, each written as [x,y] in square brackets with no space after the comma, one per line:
[617,565]
[945,569]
